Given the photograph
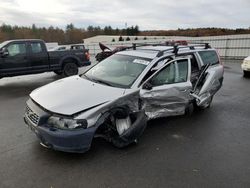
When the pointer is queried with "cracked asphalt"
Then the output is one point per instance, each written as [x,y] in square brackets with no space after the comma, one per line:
[208,149]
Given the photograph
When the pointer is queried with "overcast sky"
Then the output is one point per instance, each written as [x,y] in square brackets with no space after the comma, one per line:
[148,14]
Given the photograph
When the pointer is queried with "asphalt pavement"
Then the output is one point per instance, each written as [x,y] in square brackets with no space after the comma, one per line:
[208,149]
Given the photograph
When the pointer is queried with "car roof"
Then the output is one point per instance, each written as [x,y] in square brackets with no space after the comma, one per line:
[25,40]
[139,53]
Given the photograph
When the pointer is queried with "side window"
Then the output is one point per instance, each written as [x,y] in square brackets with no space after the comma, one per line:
[16,49]
[36,47]
[182,71]
[165,76]
[209,57]
[175,72]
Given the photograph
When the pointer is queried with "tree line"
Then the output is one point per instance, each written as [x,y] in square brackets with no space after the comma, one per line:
[72,34]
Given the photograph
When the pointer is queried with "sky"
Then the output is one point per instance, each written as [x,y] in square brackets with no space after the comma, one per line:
[147,14]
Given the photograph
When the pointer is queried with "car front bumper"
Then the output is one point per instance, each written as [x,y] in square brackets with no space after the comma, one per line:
[77,141]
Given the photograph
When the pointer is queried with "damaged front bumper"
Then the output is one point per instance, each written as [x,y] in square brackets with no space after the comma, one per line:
[77,141]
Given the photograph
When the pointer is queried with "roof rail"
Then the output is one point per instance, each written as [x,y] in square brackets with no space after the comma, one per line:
[206,45]
[175,48]
[135,45]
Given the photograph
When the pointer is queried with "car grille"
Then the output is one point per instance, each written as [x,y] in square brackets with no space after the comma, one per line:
[33,117]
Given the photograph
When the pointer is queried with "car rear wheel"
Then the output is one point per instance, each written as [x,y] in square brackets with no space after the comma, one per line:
[70,69]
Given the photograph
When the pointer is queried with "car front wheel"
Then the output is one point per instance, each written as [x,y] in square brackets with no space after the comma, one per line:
[70,69]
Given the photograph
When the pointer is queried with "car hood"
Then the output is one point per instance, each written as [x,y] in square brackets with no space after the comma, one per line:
[74,94]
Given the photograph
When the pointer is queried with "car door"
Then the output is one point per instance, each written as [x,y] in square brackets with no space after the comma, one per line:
[167,92]
[38,56]
[16,61]
[210,79]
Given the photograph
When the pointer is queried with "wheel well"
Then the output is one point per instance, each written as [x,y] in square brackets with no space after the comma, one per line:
[69,60]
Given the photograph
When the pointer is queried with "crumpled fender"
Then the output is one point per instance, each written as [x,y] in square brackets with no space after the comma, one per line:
[133,133]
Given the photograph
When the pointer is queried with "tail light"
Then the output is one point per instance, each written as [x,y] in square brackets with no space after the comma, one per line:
[87,55]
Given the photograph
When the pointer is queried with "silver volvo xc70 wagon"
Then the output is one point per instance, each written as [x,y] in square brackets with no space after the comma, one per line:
[115,98]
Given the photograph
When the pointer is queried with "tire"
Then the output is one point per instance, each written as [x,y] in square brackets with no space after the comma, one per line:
[70,69]
[245,74]
[58,72]
[189,109]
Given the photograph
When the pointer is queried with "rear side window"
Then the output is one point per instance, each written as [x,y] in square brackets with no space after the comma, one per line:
[36,47]
[209,57]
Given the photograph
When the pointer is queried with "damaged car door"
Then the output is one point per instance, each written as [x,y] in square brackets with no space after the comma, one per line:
[210,79]
[167,92]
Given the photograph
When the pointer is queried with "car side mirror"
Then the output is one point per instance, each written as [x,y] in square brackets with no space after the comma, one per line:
[147,86]
[4,52]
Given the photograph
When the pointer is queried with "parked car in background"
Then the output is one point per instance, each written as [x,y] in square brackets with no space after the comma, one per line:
[246,66]
[116,97]
[22,57]
[108,51]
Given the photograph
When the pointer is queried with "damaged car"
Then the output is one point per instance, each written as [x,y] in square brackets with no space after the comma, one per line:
[115,98]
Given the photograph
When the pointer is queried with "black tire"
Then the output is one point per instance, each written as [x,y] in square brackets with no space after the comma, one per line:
[245,74]
[70,69]
[58,72]
[189,109]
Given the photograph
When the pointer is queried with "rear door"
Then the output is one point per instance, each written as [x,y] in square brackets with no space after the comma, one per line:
[167,92]
[211,77]
[38,56]
[16,62]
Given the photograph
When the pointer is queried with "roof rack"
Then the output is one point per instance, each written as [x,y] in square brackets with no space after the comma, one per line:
[175,48]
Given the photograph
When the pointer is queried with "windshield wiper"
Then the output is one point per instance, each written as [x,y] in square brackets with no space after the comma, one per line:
[102,82]
[88,78]
[97,80]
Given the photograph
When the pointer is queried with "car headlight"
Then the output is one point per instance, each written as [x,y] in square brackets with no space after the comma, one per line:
[64,123]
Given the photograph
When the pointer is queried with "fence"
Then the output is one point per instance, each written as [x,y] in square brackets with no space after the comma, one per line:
[231,47]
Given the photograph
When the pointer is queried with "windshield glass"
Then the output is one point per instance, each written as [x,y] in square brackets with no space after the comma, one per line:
[118,70]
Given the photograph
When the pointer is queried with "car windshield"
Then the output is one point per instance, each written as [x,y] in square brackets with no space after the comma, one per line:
[118,70]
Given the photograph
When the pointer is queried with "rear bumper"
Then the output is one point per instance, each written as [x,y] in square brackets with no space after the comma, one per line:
[77,141]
